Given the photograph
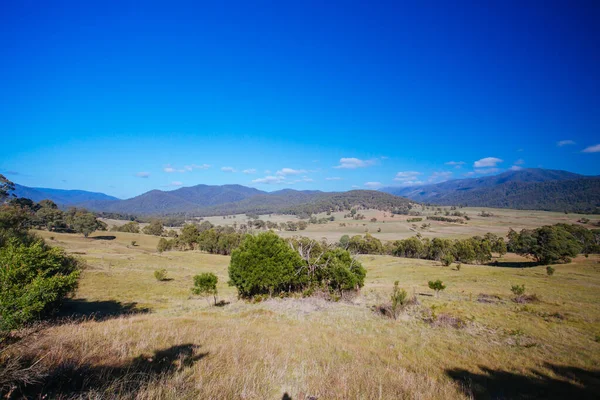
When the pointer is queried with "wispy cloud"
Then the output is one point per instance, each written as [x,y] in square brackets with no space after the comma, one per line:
[562,143]
[333,178]
[520,161]
[228,169]
[516,168]
[143,174]
[290,171]
[373,185]
[249,171]
[455,163]
[353,163]
[188,168]
[592,149]
[176,183]
[408,178]
[270,180]
[487,162]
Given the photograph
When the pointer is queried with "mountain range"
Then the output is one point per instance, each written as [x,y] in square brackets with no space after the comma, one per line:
[536,189]
[531,188]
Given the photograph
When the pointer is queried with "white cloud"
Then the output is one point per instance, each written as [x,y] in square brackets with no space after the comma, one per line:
[406,176]
[373,185]
[592,149]
[333,178]
[188,168]
[142,174]
[290,171]
[270,180]
[228,169]
[355,186]
[487,171]
[353,163]
[487,162]
[562,143]
[515,168]
[249,171]
[470,173]
[176,183]
[455,163]
[520,161]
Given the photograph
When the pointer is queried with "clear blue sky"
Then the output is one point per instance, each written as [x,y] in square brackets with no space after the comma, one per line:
[123,97]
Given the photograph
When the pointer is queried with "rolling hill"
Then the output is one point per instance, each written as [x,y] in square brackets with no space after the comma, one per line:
[535,189]
[60,196]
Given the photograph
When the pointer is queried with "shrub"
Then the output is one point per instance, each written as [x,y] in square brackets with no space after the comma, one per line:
[205,285]
[518,290]
[164,245]
[134,243]
[155,228]
[263,264]
[447,259]
[34,280]
[550,270]
[160,275]
[398,299]
[458,267]
[437,285]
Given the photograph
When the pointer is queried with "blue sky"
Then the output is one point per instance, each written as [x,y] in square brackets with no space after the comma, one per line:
[123,97]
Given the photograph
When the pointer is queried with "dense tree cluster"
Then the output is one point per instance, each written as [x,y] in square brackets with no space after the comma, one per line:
[553,244]
[214,240]
[475,249]
[267,264]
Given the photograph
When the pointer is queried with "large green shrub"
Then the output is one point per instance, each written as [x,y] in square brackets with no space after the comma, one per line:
[263,264]
[34,279]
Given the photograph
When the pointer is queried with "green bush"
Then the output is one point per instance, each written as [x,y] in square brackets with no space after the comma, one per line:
[518,290]
[164,245]
[437,285]
[550,270]
[263,264]
[206,285]
[34,280]
[160,275]
[447,259]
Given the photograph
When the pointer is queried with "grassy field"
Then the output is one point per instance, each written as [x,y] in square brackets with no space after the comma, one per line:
[154,340]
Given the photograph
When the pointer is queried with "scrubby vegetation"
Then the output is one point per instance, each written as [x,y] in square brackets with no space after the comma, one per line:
[268,264]
[206,285]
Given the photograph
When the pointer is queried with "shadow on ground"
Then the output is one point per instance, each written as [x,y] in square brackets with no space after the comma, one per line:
[73,379]
[109,237]
[513,264]
[568,383]
[83,309]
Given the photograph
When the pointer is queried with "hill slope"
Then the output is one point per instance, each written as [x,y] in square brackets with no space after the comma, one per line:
[535,189]
[60,196]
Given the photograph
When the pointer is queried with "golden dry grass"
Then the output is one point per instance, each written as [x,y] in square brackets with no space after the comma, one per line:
[184,348]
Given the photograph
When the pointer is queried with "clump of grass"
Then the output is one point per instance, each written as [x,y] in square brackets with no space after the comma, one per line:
[517,290]
[160,275]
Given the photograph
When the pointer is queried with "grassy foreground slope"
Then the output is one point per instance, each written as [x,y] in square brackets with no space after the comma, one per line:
[178,347]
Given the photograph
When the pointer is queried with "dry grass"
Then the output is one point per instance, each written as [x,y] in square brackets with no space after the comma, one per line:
[454,346]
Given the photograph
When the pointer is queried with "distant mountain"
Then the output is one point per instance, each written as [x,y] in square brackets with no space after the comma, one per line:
[205,200]
[535,189]
[60,196]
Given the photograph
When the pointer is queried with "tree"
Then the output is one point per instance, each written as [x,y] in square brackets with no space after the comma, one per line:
[398,299]
[155,228]
[205,285]
[547,245]
[34,279]
[6,187]
[84,223]
[437,285]
[263,264]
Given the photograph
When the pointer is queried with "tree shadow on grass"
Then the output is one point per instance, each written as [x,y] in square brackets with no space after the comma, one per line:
[513,264]
[569,383]
[108,237]
[73,379]
[83,309]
